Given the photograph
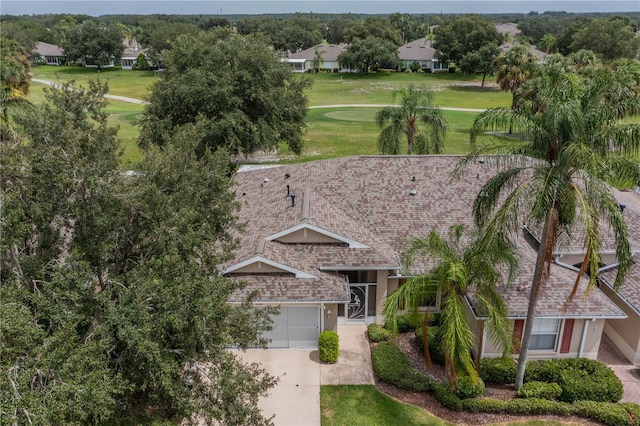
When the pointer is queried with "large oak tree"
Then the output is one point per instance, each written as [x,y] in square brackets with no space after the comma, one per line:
[235,86]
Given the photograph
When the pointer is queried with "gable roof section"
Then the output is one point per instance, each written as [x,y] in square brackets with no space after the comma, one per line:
[47,49]
[630,290]
[305,226]
[258,260]
[417,50]
[330,54]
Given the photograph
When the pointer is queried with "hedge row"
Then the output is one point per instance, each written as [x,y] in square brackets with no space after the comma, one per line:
[392,366]
[581,379]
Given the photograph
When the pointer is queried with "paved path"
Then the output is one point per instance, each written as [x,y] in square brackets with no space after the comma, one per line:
[354,361]
[114,97]
[609,354]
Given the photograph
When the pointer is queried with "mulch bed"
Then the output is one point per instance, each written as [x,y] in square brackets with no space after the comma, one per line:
[427,401]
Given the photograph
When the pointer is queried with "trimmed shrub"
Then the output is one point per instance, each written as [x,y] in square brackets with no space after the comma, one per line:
[537,406]
[580,378]
[392,366]
[605,412]
[446,397]
[377,333]
[633,409]
[541,390]
[484,405]
[469,387]
[404,324]
[328,346]
[498,370]
[435,349]
[596,382]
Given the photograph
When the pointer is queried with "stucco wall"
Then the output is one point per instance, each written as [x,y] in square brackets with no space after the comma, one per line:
[625,333]
[589,350]
[330,317]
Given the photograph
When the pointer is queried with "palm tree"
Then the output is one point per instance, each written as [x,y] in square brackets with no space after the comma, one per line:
[584,61]
[417,118]
[574,143]
[318,59]
[513,68]
[14,83]
[462,269]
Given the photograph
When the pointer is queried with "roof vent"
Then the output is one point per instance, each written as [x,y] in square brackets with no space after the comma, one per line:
[287,175]
[288,192]
[293,200]
[622,207]
[413,179]
[413,192]
[266,180]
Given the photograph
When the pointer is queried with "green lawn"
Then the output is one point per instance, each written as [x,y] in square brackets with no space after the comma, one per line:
[133,84]
[365,405]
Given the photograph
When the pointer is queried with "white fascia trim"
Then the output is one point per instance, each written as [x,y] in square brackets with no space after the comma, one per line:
[352,243]
[298,273]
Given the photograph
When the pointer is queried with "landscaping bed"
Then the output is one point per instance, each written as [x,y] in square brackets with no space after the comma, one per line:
[427,400]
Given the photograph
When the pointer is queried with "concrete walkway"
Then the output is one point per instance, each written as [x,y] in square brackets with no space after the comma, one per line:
[295,400]
[114,97]
[628,373]
[354,362]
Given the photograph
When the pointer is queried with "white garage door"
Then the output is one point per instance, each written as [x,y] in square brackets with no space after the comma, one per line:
[295,327]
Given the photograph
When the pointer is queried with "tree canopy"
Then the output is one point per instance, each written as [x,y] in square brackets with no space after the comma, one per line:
[91,41]
[15,82]
[612,38]
[112,308]
[235,86]
[464,35]
[417,118]
[369,54]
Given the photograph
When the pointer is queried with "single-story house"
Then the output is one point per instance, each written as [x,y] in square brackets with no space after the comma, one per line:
[303,61]
[132,51]
[422,52]
[49,54]
[323,241]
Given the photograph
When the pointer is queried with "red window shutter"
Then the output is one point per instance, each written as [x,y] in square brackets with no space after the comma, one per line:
[518,328]
[566,336]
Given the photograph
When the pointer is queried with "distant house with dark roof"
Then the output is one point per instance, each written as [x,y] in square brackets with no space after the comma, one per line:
[303,61]
[49,54]
[323,241]
[422,52]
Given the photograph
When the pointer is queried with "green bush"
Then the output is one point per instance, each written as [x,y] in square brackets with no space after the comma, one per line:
[596,382]
[328,347]
[604,412]
[633,409]
[404,324]
[579,378]
[377,333]
[392,366]
[485,405]
[446,397]
[435,349]
[469,387]
[541,390]
[498,370]
[537,406]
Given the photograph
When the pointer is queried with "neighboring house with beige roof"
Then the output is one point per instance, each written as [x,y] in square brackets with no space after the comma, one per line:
[303,61]
[49,54]
[323,240]
[132,50]
[422,52]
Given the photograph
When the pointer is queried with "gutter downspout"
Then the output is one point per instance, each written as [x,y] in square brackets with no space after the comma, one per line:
[583,338]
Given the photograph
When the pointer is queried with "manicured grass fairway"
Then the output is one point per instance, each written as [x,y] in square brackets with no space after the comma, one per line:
[364,405]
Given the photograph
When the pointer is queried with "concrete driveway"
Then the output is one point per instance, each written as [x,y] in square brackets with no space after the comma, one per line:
[295,400]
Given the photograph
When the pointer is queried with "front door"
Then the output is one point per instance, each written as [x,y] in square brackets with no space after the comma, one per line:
[357,306]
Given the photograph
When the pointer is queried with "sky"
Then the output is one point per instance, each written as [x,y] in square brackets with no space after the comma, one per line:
[209,7]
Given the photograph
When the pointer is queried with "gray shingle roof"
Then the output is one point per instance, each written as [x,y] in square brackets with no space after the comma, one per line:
[47,49]
[331,52]
[370,200]
[418,50]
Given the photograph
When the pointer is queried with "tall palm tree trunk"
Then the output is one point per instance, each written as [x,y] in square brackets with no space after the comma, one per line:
[540,275]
